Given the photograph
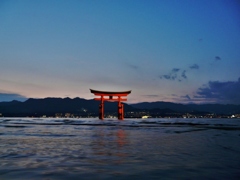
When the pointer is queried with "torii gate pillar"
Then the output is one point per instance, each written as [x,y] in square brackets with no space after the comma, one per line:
[101,109]
[111,98]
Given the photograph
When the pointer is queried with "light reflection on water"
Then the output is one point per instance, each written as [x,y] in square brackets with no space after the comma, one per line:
[93,149]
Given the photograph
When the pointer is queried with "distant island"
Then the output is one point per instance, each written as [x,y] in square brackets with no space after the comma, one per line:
[82,108]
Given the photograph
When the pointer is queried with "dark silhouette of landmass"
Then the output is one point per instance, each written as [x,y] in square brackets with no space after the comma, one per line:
[53,106]
[210,108]
[79,107]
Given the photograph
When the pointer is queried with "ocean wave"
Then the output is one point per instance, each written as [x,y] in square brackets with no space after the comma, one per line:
[222,124]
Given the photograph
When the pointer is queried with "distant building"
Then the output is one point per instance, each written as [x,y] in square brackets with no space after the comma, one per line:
[58,115]
[145,117]
[68,115]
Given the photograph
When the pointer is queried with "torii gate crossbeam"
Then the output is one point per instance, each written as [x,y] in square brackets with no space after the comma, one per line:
[111,96]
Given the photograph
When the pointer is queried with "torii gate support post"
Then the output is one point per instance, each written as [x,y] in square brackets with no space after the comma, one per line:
[101,109]
[110,95]
[120,115]
[120,109]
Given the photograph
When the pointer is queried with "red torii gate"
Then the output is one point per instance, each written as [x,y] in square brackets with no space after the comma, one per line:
[110,98]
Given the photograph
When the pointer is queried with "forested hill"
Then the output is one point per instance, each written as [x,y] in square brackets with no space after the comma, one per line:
[83,106]
[211,108]
[57,105]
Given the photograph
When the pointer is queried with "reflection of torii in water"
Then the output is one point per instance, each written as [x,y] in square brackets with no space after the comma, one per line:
[110,98]
[110,143]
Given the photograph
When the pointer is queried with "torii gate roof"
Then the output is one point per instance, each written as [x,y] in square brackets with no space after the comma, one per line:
[110,93]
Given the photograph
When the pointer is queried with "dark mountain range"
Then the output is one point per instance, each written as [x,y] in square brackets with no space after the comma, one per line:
[187,108]
[51,106]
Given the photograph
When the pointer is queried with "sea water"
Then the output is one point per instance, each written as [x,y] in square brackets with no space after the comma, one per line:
[113,149]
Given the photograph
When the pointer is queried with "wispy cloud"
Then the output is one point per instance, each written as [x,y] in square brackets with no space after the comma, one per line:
[179,74]
[151,95]
[183,75]
[194,66]
[186,97]
[175,70]
[132,66]
[172,75]
[218,58]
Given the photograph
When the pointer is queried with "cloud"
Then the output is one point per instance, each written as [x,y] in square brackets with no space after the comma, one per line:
[217,58]
[10,96]
[175,74]
[133,66]
[221,92]
[186,97]
[194,66]
[172,75]
[184,74]
[175,69]
[178,74]
[151,95]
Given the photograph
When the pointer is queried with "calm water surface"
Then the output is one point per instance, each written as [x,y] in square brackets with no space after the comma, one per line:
[133,148]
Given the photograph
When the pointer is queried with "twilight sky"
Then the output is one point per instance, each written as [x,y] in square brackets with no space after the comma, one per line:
[184,51]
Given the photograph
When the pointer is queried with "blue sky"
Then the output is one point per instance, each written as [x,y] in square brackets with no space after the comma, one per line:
[164,50]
